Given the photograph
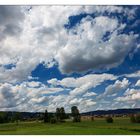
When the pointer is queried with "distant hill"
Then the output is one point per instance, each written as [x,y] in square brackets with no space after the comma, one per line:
[27,115]
[117,111]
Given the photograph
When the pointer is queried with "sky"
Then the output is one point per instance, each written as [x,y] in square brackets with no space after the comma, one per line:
[61,56]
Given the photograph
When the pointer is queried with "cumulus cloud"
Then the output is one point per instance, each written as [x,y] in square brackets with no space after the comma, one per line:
[82,84]
[69,101]
[86,49]
[129,95]
[44,39]
[138,83]
[133,75]
[90,94]
[117,86]
[38,96]
[27,92]
[31,37]
[94,79]
[9,96]
[114,89]
[11,20]
[82,89]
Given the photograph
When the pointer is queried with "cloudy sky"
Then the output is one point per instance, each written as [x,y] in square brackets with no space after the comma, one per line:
[60,56]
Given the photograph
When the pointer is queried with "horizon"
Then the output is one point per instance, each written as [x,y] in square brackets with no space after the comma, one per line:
[64,56]
[79,111]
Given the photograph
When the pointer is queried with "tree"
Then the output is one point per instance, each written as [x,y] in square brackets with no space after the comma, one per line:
[75,114]
[46,117]
[17,117]
[58,114]
[62,114]
[4,117]
[53,120]
[92,118]
[109,119]
[132,118]
[137,117]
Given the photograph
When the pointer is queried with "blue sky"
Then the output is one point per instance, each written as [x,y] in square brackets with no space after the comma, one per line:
[86,56]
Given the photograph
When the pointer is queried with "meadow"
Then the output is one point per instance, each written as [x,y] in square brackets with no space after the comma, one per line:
[121,126]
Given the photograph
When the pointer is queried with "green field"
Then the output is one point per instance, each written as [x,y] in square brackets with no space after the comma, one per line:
[120,126]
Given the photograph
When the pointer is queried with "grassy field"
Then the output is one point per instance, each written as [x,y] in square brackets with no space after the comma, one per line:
[120,126]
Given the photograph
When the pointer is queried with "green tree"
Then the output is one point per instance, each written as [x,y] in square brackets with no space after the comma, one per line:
[4,118]
[137,117]
[53,120]
[92,118]
[62,114]
[58,114]
[132,118]
[109,119]
[17,117]
[46,117]
[75,114]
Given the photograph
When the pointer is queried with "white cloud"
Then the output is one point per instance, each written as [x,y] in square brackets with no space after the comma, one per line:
[133,75]
[94,79]
[117,86]
[43,38]
[90,94]
[69,101]
[138,83]
[114,89]
[130,95]
[28,38]
[81,90]
[34,84]
[75,101]
[86,50]
[14,95]
[82,84]
[131,91]
[11,19]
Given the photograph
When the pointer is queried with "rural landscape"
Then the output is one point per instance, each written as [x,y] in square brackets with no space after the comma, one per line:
[60,123]
[69,70]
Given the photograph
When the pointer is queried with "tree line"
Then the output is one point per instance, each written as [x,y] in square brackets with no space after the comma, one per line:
[60,115]
[6,118]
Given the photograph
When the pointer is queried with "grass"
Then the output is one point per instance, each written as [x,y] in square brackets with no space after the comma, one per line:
[121,126]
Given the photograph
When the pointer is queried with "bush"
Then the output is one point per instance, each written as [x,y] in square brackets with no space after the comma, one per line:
[4,117]
[137,118]
[53,120]
[77,118]
[132,118]
[92,118]
[109,119]
[62,121]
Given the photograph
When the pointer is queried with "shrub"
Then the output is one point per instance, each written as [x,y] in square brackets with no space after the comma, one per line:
[132,118]
[53,120]
[77,118]
[137,118]
[92,118]
[4,117]
[109,119]
[62,121]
